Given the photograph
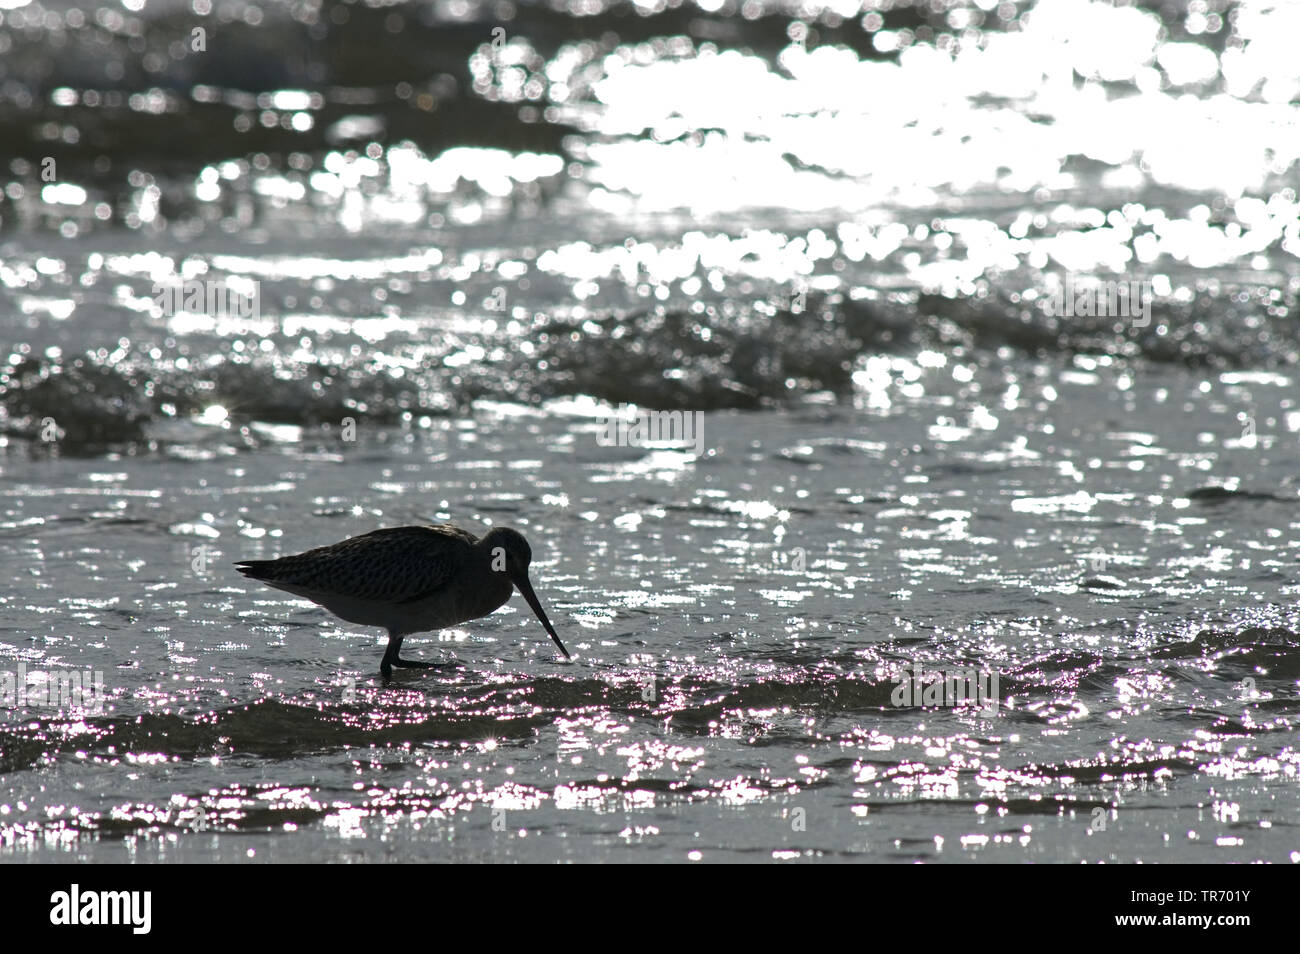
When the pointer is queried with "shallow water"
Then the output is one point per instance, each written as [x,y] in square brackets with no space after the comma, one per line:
[737,620]
[907,456]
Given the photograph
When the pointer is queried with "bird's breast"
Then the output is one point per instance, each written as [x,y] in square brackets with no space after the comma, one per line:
[469,596]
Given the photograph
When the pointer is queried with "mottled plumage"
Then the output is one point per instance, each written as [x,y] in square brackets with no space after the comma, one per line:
[394,565]
[409,579]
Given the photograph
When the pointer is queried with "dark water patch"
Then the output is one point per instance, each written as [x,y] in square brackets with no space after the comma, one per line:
[80,403]
[1223,327]
[268,729]
[86,406]
[1100,772]
[678,360]
[1210,642]
[1103,583]
[230,809]
[1218,495]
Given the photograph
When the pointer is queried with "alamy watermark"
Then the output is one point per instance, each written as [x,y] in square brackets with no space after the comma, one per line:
[215,298]
[61,689]
[627,427]
[946,688]
[1130,300]
[78,906]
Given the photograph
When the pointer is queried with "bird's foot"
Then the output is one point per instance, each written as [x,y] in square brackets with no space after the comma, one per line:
[386,667]
[413,664]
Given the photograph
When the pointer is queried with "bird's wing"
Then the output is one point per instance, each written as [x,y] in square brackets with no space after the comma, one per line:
[395,565]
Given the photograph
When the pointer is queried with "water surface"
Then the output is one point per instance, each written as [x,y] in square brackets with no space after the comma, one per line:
[838,235]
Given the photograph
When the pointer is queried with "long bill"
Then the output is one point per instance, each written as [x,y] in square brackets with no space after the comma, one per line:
[526,588]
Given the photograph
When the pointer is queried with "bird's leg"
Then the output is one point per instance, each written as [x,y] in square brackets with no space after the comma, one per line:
[391,658]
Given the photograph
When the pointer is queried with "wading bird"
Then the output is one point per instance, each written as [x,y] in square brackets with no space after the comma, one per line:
[409,580]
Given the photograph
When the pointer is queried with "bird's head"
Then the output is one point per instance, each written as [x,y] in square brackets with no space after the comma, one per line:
[511,554]
[509,550]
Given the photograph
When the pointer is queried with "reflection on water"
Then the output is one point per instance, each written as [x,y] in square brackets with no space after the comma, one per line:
[739,620]
[1056,102]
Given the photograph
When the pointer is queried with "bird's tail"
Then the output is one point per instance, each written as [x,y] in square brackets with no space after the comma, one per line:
[257,569]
